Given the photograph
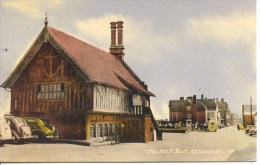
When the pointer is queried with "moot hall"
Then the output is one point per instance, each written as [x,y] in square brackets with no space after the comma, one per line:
[86,92]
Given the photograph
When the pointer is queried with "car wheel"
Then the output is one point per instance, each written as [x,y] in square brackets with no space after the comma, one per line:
[41,137]
[15,138]
[35,137]
[21,141]
[1,143]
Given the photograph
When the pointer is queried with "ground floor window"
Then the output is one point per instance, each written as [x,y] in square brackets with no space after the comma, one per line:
[92,131]
[99,131]
[103,129]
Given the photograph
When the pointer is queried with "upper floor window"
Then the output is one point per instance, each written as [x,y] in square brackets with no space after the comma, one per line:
[50,92]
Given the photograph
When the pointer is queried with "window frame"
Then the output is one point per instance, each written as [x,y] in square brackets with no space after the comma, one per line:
[51,92]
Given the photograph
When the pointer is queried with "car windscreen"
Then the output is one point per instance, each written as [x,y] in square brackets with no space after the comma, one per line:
[21,121]
[47,123]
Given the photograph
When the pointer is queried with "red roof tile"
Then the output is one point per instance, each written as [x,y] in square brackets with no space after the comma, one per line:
[99,65]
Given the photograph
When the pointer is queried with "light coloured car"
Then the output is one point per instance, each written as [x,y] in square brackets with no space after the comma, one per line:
[5,131]
[20,129]
[252,130]
[212,126]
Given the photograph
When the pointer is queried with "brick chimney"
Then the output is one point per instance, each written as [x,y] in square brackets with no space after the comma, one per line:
[113,34]
[117,48]
[194,100]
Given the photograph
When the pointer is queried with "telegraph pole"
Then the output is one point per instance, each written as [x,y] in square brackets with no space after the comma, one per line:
[251,110]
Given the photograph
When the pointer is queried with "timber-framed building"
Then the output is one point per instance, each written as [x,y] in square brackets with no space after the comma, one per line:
[86,92]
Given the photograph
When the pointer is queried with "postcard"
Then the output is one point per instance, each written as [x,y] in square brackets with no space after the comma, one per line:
[128,81]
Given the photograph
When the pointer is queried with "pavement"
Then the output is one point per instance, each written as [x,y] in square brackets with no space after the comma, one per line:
[226,144]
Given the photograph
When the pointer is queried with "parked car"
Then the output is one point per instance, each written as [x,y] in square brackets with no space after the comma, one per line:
[247,127]
[240,127]
[41,128]
[221,126]
[252,130]
[19,128]
[212,126]
[5,131]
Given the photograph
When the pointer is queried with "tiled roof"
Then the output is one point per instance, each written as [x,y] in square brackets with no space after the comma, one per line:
[210,104]
[178,105]
[99,65]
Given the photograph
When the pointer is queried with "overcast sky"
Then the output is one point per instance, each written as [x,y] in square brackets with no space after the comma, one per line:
[178,47]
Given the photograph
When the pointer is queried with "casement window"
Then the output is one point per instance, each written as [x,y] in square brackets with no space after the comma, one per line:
[99,131]
[105,129]
[50,92]
[93,130]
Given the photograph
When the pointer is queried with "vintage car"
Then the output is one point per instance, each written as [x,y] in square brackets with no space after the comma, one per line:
[5,131]
[240,127]
[246,128]
[212,126]
[252,130]
[41,128]
[20,130]
[221,126]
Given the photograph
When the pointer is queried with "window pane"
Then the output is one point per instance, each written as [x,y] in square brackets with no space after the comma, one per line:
[46,88]
[55,87]
[42,88]
[62,95]
[58,87]
[50,87]
[46,96]
[50,95]
[62,87]
[57,95]
[54,95]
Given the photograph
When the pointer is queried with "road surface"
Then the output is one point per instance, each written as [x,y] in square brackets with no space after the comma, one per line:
[226,144]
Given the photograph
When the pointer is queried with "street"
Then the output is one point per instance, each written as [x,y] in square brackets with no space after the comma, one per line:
[226,144]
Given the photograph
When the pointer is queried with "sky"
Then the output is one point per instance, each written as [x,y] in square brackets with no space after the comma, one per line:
[178,47]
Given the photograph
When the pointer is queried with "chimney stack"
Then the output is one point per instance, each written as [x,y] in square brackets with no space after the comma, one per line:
[117,48]
[194,99]
[181,98]
[202,97]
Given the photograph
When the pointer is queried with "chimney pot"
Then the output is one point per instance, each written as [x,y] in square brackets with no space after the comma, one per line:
[120,33]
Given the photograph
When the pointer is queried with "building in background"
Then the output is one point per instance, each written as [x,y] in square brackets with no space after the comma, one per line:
[190,110]
[248,114]
[200,110]
[224,113]
[236,119]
